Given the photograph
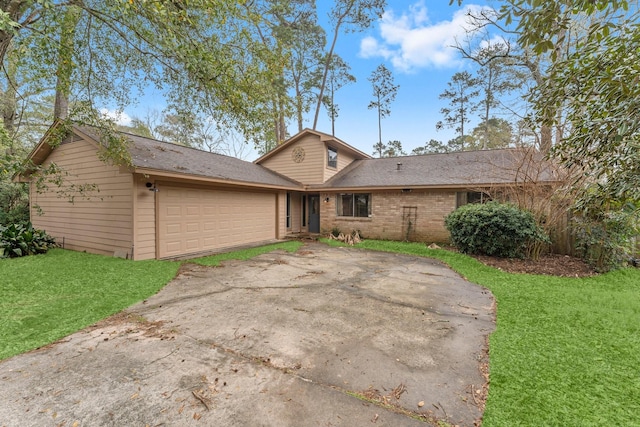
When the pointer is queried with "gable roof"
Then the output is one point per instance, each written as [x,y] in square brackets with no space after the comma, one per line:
[460,169]
[151,156]
[444,170]
[324,137]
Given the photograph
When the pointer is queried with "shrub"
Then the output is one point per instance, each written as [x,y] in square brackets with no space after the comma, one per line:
[494,229]
[18,240]
[14,203]
[606,241]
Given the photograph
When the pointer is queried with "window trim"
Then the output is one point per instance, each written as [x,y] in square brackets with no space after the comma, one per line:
[288,209]
[304,210]
[471,197]
[330,164]
[354,207]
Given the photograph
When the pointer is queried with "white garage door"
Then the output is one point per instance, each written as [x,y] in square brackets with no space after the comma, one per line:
[195,220]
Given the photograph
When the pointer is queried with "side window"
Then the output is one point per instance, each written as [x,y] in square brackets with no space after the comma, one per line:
[304,210]
[354,205]
[288,210]
[464,197]
[332,157]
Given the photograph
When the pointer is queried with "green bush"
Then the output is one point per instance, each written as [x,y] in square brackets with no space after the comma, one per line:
[494,229]
[606,242]
[14,203]
[18,240]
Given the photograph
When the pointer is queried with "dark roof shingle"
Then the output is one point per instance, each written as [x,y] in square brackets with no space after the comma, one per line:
[466,168]
[156,155]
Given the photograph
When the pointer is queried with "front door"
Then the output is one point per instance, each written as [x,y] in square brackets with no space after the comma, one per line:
[314,213]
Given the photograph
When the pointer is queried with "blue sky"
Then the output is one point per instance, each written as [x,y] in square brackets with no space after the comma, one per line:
[413,39]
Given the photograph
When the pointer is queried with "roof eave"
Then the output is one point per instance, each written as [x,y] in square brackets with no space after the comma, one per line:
[211,180]
[38,154]
[422,187]
[324,137]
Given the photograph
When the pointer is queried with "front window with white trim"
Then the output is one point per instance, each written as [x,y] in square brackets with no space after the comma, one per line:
[354,205]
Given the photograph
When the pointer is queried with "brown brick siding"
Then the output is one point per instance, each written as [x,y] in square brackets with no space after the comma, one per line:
[424,209]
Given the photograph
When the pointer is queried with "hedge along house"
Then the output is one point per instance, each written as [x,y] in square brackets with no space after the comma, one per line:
[177,201]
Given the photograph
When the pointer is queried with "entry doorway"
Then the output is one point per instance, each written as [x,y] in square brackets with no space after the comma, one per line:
[314,213]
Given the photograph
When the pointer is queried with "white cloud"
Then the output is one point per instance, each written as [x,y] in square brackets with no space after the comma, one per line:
[120,117]
[494,41]
[411,41]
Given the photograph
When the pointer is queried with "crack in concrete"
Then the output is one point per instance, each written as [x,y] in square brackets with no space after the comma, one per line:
[266,362]
[353,289]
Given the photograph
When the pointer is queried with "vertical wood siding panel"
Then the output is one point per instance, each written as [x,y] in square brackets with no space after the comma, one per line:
[309,171]
[145,219]
[102,224]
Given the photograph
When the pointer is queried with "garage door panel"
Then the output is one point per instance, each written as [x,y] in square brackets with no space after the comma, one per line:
[174,211]
[173,228]
[193,210]
[198,220]
[173,246]
[193,244]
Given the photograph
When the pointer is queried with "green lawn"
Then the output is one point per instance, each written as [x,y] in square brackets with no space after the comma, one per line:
[566,352]
[289,246]
[46,297]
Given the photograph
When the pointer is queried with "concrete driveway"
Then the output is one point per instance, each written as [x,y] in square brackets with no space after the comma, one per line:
[324,337]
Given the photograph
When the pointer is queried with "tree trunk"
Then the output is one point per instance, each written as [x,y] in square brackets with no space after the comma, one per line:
[325,73]
[299,106]
[65,62]
[333,113]
[487,108]
[9,96]
[546,140]
[327,62]
[283,126]
[15,10]
[379,122]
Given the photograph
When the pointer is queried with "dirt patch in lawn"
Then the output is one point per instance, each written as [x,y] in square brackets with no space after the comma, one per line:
[550,264]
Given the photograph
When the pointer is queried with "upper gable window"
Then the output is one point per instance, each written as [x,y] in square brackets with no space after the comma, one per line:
[332,157]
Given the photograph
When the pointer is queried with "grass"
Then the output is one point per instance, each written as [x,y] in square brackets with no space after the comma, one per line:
[566,352]
[244,254]
[46,297]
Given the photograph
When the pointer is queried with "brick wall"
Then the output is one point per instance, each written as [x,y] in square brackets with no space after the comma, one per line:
[416,216]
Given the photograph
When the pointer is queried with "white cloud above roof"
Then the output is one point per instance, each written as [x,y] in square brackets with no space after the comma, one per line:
[119,117]
[411,41]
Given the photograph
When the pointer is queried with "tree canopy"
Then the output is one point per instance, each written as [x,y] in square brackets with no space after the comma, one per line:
[596,86]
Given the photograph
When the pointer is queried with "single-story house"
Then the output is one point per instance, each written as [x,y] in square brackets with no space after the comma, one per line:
[175,201]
